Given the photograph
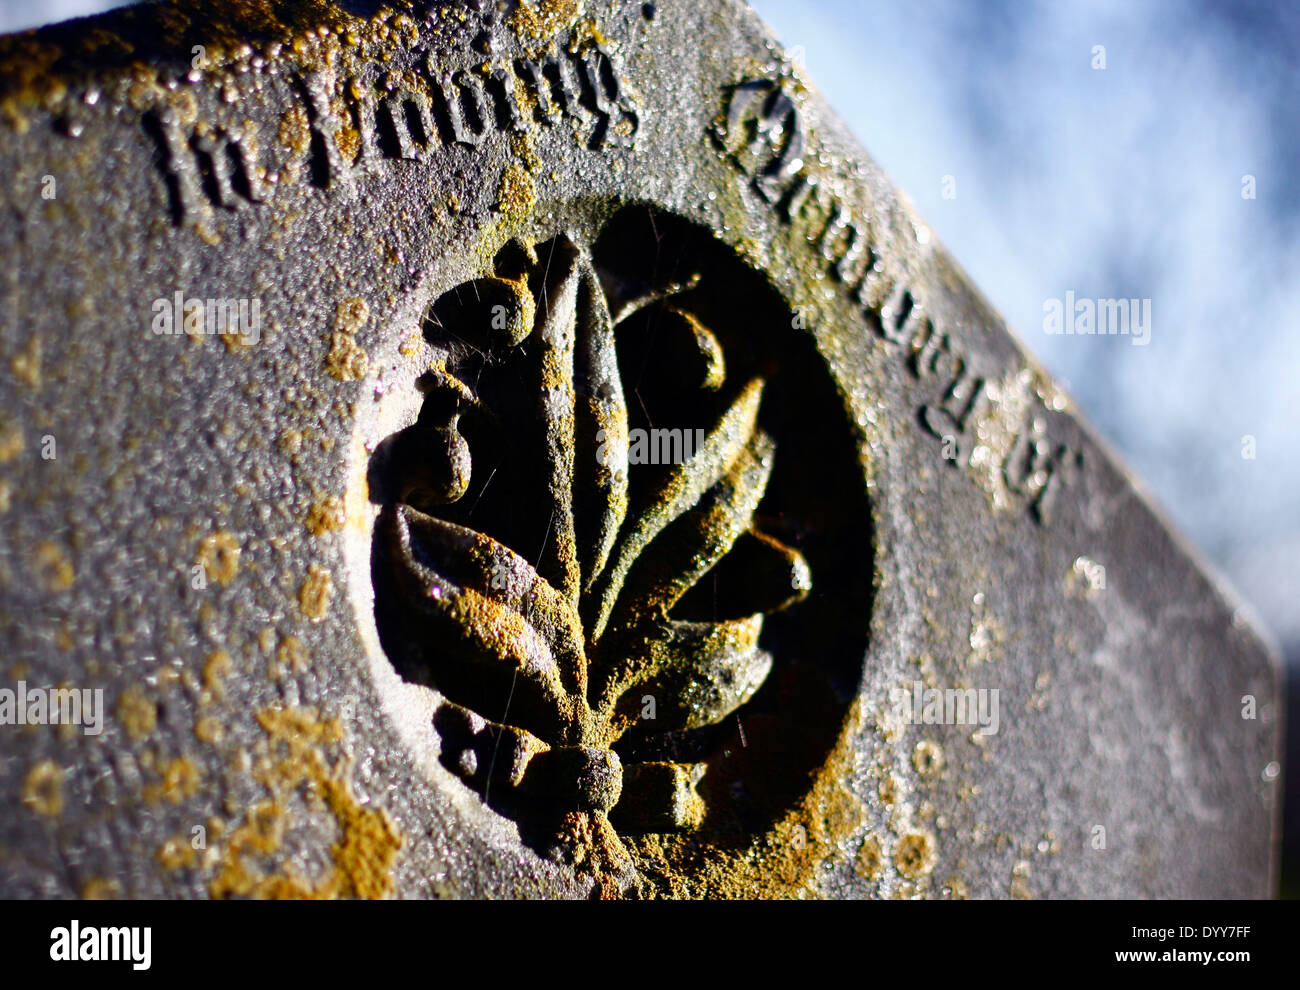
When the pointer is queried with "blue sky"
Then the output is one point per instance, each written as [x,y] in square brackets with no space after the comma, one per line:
[1122,181]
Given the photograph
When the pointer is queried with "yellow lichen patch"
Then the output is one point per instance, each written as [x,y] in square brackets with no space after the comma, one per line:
[290,654]
[351,314]
[237,342]
[266,639]
[294,132]
[325,515]
[181,778]
[208,730]
[299,727]
[292,762]
[516,195]
[28,77]
[215,669]
[954,889]
[11,443]
[137,713]
[586,33]
[53,567]
[543,19]
[315,594]
[43,789]
[346,361]
[348,141]
[177,853]
[219,556]
[100,889]
[914,855]
[185,107]
[291,442]
[26,364]
[412,344]
[503,632]
[1020,873]
[364,857]
[208,236]
[869,859]
[927,757]
[887,790]
[781,863]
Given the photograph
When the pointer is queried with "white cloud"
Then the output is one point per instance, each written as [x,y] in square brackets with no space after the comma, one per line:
[1122,181]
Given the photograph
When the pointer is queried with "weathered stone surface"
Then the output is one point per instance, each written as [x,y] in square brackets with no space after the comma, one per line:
[395,594]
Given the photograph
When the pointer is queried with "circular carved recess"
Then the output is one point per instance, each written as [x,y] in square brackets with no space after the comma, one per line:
[626,541]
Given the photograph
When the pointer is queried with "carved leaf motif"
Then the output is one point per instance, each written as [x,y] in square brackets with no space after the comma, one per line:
[577,633]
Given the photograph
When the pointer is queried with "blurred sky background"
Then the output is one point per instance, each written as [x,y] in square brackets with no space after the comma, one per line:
[1123,181]
[1117,182]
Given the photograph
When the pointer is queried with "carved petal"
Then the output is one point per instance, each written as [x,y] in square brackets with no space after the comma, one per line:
[759,574]
[698,673]
[658,797]
[485,754]
[690,547]
[495,633]
[600,495]
[557,336]
[679,491]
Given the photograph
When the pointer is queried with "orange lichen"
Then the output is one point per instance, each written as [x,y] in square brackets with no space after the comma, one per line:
[292,762]
[316,592]
[783,862]
[181,778]
[11,443]
[177,853]
[326,515]
[215,669]
[53,566]
[291,654]
[346,360]
[266,639]
[137,713]
[294,130]
[516,195]
[43,789]
[208,730]
[869,860]
[291,442]
[219,556]
[543,19]
[914,855]
[26,364]
[100,889]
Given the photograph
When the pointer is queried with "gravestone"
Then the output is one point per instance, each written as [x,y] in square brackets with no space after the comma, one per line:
[530,450]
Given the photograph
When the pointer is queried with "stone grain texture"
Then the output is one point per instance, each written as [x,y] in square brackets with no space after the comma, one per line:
[199,547]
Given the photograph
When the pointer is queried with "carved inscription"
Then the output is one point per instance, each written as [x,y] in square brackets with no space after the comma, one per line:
[762,132]
[353,123]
